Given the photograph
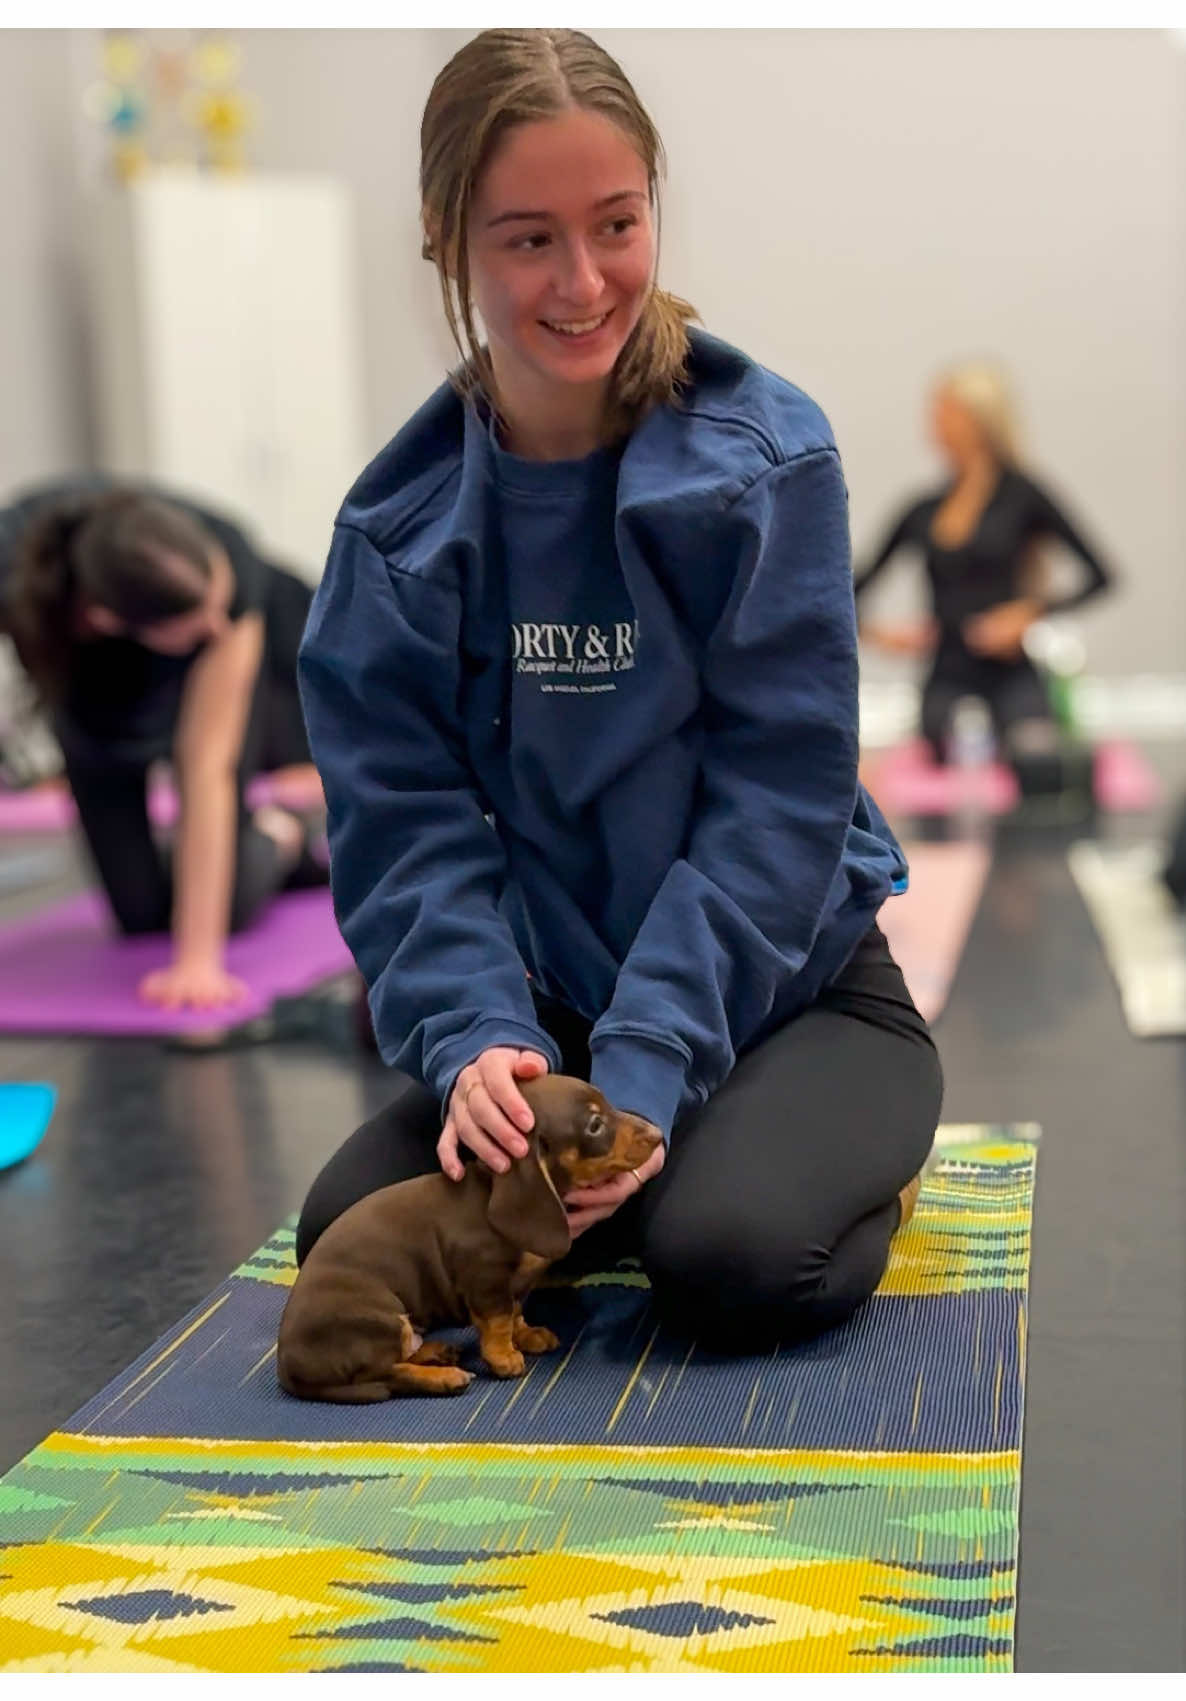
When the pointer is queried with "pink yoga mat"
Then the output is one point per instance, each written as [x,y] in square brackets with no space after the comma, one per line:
[906,781]
[64,971]
[50,808]
[927,925]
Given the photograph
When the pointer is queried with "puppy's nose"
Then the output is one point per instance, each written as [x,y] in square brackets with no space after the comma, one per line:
[643,1137]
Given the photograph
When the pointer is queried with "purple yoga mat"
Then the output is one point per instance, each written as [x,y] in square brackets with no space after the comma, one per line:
[50,808]
[64,971]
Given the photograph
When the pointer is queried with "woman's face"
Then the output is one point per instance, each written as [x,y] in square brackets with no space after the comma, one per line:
[181,633]
[561,253]
[955,430]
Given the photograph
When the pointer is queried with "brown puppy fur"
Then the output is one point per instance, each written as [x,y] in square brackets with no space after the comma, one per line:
[431,1251]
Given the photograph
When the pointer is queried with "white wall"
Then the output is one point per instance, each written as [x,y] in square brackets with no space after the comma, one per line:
[350,101]
[854,207]
[43,400]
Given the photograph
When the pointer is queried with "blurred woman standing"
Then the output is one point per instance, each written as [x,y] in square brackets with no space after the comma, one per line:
[978,536]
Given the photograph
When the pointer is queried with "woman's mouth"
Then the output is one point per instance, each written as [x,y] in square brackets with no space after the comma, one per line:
[577,330]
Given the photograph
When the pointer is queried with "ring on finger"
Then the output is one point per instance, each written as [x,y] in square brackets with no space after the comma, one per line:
[637,1178]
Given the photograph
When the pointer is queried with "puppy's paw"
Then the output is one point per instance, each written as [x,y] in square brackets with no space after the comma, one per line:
[435,1352]
[454,1381]
[507,1364]
[533,1340]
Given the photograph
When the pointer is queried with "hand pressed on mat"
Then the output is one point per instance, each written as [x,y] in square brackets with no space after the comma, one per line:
[198,985]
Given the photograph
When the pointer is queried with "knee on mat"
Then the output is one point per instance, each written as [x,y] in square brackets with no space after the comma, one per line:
[135,920]
[744,1291]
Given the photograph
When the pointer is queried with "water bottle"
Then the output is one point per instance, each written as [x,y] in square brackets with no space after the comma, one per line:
[972,748]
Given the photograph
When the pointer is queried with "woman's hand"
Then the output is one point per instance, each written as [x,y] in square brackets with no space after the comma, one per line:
[998,631]
[199,985]
[589,1205]
[902,637]
[487,1112]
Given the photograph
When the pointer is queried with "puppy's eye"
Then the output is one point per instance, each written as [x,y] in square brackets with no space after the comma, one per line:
[595,1125]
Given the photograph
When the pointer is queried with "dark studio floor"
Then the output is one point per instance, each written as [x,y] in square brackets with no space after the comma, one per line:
[161,1171]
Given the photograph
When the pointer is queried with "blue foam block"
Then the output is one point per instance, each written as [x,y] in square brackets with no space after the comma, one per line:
[25,1110]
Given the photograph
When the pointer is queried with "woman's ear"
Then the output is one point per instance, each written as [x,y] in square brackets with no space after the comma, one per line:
[525,1208]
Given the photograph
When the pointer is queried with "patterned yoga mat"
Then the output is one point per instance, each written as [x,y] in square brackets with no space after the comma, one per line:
[632,1504]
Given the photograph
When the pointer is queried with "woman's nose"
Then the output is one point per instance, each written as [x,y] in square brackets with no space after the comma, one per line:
[581,282]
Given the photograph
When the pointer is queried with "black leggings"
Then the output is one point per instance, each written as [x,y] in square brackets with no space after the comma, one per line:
[1013,691]
[773,1215]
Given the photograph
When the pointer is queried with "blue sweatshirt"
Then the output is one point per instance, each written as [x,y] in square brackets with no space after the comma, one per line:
[596,721]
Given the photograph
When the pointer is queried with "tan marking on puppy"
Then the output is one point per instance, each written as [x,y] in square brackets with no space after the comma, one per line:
[532,1340]
[497,1345]
[435,1352]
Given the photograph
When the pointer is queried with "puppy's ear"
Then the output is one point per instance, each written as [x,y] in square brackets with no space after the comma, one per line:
[525,1208]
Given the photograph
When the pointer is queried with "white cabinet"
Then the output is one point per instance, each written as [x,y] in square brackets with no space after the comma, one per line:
[225,337]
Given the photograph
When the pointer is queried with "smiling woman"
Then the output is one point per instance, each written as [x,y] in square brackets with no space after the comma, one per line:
[539,181]
[560,290]
[596,596]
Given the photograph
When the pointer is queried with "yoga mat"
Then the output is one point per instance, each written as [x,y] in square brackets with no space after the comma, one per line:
[50,808]
[906,781]
[927,925]
[25,1111]
[632,1504]
[63,971]
[1141,929]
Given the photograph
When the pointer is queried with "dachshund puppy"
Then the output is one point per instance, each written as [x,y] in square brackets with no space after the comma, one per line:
[430,1251]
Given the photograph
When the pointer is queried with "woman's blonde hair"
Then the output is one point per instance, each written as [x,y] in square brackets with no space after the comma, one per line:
[982,388]
[506,77]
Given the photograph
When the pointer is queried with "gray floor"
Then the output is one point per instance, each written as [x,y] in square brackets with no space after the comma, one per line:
[162,1171]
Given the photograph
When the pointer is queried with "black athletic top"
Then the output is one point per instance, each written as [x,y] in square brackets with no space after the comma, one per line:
[119,690]
[988,567]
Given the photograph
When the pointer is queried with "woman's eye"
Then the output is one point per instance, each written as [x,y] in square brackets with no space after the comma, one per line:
[619,227]
[530,244]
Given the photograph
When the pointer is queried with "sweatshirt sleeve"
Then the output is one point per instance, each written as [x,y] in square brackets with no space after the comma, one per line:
[736,917]
[416,869]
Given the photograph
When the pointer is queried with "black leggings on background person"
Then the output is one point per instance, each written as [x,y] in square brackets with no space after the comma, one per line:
[773,1216]
[1012,691]
[109,779]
